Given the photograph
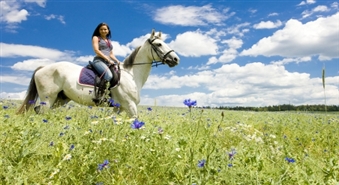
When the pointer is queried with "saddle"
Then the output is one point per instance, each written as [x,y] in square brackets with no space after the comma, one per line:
[100,84]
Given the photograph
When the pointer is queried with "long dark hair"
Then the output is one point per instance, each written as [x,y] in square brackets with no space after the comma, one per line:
[97,30]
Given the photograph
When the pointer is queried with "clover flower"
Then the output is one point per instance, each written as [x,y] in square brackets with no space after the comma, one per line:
[103,165]
[137,124]
[190,103]
[201,163]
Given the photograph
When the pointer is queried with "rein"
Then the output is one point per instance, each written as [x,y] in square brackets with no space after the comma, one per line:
[155,63]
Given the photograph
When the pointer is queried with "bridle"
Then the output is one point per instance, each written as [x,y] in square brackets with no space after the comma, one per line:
[158,52]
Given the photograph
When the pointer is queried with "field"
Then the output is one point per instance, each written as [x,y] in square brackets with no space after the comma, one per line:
[90,145]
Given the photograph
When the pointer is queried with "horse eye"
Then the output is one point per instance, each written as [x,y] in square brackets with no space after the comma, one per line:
[159,44]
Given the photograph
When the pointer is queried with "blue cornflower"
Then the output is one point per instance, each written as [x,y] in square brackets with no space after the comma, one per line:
[61,134]
[137,124]
[103,165]
[230,165]
[42,103]
[68,117]
[231,154]
[5,107]
[31,102]
[149,109]
[190,103]
[45,120]
[290,160]
[72,147]
[201,163]
[51,143]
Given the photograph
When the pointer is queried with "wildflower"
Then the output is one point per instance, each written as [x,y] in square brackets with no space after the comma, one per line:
[42,103]
[67,157]
[61,134]
[31,102]
[5,107]
[45,120]
[54,173]
[103,165]
[160,130]
[190,103]
[137,124]
[68,117]
[51,143]
[230,165]
[231,154]
[290,160]
[72,147]
[201,163]
[149,109]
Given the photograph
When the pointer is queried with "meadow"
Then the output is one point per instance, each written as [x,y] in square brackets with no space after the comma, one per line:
[92,145]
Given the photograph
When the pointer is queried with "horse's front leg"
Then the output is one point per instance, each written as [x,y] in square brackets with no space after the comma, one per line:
[132,110]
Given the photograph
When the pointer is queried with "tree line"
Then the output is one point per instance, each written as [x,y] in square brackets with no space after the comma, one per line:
[284,107]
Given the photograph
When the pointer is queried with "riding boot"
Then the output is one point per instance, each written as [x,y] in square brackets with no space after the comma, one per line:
[100,91]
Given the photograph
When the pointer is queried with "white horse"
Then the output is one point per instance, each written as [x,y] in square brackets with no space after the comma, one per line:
[57,84]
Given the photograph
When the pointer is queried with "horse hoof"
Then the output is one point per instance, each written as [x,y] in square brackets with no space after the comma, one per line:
[37,109]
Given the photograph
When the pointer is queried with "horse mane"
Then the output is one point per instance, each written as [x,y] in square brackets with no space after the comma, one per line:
[128,62]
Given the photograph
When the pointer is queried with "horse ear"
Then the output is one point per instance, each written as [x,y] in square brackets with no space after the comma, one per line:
[152,34]
[159,34]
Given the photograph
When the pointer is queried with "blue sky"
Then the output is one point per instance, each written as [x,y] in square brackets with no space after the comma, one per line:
[233,53]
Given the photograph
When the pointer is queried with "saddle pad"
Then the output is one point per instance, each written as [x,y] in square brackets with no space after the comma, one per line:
[86,77]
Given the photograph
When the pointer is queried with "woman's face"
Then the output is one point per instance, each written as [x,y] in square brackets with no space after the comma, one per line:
[103,31]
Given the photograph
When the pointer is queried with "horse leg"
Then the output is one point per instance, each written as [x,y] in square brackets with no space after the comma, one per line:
[132,110]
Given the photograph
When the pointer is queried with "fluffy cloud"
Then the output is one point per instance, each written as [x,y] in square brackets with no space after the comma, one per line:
[254,84]
[267,25]
[300,40]
[194,44]
[190,15]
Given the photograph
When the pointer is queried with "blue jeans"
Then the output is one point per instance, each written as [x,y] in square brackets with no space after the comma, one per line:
[101,68]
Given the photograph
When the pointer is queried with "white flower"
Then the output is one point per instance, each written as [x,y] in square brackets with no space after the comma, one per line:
[67,157]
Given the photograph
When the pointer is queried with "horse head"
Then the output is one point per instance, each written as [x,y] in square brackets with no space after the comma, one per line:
[163,52]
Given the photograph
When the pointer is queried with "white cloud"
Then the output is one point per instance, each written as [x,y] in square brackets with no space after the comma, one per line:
[12,13]
[19,50]
[300,40]
[194,44]
[267,25]
[57,17]
[317,9]
[291,60]
[31,64]
[41,3]
[254,84]
[306,2]
[190,15]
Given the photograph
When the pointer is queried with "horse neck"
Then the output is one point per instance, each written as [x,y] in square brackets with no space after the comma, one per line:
[142,71]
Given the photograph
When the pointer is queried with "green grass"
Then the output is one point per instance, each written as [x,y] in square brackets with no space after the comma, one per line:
[36,149]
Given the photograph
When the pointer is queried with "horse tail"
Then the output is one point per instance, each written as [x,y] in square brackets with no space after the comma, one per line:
[31,95]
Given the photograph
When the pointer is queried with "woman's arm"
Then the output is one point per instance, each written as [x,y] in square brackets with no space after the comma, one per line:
[112,56]
[95,44]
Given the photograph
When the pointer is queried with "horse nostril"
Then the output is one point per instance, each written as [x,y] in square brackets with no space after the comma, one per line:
[175,59]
